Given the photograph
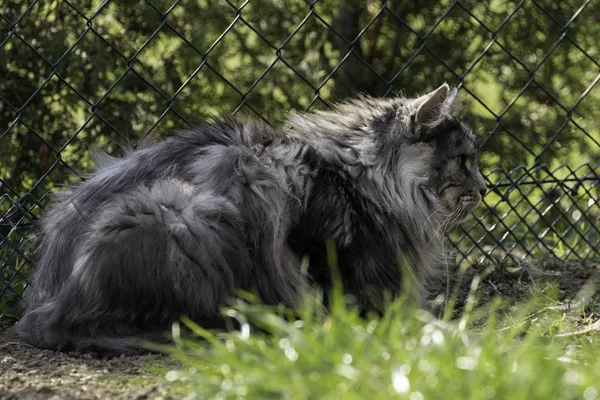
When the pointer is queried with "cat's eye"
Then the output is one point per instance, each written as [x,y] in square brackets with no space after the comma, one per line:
[462,159]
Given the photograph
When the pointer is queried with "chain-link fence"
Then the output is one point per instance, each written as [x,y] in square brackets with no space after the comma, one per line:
[80,75]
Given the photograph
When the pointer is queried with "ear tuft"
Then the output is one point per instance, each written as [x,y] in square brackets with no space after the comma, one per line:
[450,97]
[431,104]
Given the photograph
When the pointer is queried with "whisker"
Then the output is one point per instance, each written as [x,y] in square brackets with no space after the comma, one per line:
[454,216]
[436,234]
[440,208]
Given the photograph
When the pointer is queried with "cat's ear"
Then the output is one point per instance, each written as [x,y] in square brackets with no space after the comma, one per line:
[431,106]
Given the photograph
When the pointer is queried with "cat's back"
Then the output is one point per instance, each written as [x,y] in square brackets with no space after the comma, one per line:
[211,150]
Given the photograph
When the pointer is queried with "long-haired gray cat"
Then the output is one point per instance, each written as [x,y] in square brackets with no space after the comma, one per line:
[175,228]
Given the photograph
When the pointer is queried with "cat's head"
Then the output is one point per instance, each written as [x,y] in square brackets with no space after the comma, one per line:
[449,147]
[402,148]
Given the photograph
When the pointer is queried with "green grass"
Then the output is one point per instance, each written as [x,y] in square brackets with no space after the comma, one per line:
[535,350]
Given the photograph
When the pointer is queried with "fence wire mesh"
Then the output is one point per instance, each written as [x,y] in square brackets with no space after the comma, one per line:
[79,75]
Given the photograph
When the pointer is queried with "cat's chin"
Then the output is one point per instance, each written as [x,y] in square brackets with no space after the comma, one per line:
[469,202]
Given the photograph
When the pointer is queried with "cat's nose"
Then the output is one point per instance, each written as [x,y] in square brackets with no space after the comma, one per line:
[482,191]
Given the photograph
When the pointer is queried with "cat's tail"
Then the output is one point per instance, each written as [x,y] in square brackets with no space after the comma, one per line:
[148,257]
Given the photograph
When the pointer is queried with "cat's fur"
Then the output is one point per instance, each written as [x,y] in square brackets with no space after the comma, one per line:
[175,228]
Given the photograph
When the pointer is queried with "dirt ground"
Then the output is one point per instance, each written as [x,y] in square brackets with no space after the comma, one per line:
[576,285]
[30,373]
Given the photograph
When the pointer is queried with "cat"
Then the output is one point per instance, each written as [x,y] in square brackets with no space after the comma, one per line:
[174,228]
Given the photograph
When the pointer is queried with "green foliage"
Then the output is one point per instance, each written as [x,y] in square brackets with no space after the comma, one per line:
[536,349]
[67,72]
[532,352]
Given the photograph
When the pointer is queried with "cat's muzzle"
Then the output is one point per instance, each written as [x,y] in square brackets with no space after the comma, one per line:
[469,201]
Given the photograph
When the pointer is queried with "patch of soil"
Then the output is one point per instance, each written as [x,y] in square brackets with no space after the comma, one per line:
[515,281]
[30,373]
